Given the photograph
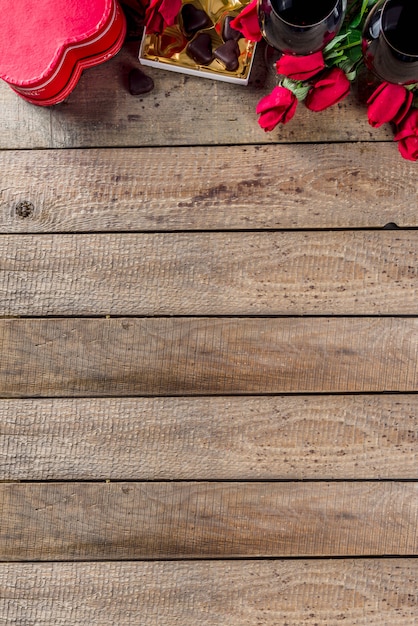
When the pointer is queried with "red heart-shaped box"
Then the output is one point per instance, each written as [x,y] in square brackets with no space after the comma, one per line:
[45,45]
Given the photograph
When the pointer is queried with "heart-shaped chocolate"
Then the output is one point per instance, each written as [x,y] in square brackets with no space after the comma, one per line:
[194,19]
[200,49]
[228,32]
[139,82]
[228,54]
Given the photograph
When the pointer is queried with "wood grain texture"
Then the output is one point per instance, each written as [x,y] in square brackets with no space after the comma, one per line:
[212,438]
[23,125]
[361,592]
[215,476]
[181,110]
[189,356]
[159,520]
[295,273]
[359,185]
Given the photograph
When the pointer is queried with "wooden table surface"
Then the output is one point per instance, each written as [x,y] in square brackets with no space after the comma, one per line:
[209,341]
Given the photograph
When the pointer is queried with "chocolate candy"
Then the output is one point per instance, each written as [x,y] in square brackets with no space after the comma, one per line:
[194,19]
[139,82]
[228,32]
[228,54]
[200,49]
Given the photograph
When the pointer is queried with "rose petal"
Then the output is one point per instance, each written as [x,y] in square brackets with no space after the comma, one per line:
[247,22]
[170,9]
[409,148]
[269,120]
[328,90]
[409,126]
[300,68]
[280,96]
[160,14]
[278,107]
[388,103]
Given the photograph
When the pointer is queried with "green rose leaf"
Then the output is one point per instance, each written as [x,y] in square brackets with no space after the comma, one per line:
[299,89]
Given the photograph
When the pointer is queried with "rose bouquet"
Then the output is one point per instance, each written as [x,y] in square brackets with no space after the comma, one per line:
[324,78]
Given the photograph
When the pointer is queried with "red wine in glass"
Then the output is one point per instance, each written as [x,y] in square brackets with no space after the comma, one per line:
[390,41]
[300,27]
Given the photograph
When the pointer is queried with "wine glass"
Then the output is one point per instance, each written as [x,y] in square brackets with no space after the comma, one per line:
[300,27]
[390,41]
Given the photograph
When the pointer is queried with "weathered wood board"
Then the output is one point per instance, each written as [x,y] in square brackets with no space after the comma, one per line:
[353,592]
[197,356]
[294,186]
[309,273]
[217,438]
[154,520]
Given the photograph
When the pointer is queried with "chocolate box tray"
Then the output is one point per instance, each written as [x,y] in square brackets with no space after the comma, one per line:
[168,50]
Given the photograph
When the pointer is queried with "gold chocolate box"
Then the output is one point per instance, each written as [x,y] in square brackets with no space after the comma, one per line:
[173,49]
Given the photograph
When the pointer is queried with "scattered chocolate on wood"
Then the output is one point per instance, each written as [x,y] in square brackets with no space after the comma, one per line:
[139,82]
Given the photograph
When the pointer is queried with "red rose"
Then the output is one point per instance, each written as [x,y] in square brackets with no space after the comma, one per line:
[279,106]
[388,103]
[328,90]
[161,13]
[407,136]
[247,22]
[300,68]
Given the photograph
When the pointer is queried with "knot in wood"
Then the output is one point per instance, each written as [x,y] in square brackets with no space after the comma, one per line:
[24,209]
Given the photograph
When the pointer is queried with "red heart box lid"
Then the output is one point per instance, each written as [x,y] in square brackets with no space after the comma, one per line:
[36,35]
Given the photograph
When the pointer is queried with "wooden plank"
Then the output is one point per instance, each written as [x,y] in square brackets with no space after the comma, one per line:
[367,592]
[369,273]
[159,520]
[207,188]
[111,121]
[195,356]
[216,438]
[182,110]
[23,125]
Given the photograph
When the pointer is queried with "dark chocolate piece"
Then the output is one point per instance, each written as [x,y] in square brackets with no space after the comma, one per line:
[139,82]
[228,32]
[200,49]
[194,19]
[228,54]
